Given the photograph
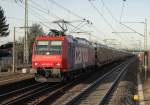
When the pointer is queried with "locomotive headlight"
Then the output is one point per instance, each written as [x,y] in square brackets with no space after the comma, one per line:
[58,64]
[35,63]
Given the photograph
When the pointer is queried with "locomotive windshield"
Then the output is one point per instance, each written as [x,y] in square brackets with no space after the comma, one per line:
[48,47]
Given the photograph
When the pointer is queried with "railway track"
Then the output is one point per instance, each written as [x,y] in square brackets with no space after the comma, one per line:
[41,93]
[8,87]
[37,97]
[99,91]
[57,93]
[54,95]
[36,94]
[16,95]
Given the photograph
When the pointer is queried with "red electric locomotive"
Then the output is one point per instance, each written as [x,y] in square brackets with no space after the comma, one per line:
[59,57]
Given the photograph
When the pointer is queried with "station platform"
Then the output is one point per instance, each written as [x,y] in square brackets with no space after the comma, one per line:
[9,77]
[143,78]
[144,89]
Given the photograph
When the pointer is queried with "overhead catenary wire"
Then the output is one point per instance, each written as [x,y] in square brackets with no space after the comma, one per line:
[78,27]
[101,15]
[55,15]
[75,27]
[39,16]
[46,3]
[107,22]
[35,16]
[30,11]
[74,14]
[51,22]
[120,17]
[112,15]
[67,10]
[44,10]
[37,7]
[21,19]
[132,29]
[122,10]
[62,7]
[109,11]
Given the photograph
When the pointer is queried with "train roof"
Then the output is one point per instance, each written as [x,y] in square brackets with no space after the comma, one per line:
[47,37]
[77,40]
[82,41]
[111,48]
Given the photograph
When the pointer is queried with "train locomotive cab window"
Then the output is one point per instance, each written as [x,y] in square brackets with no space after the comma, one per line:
[48,47]
[55,47]
[42,45]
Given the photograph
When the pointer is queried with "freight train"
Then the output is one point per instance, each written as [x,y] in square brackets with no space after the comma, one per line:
[57,58]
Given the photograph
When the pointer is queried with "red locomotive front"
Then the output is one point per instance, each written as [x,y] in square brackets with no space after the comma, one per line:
[47,59]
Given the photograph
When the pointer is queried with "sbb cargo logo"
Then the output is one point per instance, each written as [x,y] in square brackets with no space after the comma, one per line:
[81,55]
[78,56]
[84,55]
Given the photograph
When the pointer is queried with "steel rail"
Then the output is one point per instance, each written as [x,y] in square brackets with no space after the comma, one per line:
[14,92]
[53,91]
[32,94]
[22,96]
[57,92]
[121,74]
[76,97]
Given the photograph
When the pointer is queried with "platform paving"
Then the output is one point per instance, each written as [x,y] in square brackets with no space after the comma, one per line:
[146,91]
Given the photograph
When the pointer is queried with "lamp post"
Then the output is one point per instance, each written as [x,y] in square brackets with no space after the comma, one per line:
[143,35]
[145,42]
[14,41]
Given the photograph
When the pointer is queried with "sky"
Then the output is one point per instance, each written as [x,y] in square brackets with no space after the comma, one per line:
[105,16]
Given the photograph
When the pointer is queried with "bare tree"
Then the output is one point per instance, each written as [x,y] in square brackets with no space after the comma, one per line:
[35,31]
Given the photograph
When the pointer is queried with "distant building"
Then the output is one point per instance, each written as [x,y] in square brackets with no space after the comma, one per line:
[6,54]
[6,50]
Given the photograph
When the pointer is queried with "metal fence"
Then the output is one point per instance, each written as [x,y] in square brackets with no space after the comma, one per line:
[6,64]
